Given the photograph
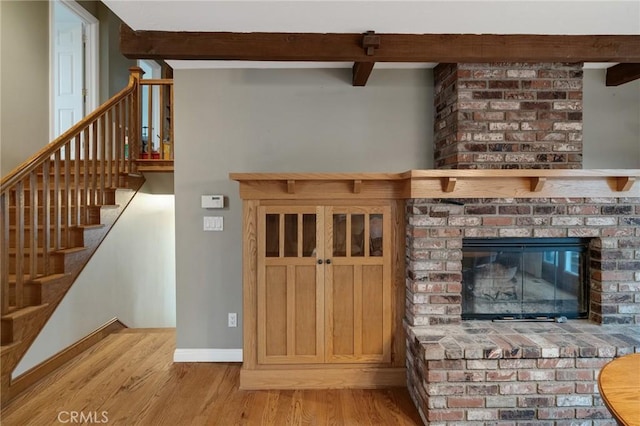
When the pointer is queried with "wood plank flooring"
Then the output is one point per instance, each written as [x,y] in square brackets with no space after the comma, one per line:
[129,378]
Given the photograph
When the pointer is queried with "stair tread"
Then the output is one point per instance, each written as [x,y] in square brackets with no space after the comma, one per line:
[13,206]
[28,226]
[13,251]
[71,250]
[40,278]
[13,278]
[24,311]
[80,186]
[95,226]
[9,346]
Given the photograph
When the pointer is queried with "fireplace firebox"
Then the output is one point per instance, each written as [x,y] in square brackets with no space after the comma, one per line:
[524,278]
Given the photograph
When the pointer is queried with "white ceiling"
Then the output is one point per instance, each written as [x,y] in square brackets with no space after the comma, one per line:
[615,17]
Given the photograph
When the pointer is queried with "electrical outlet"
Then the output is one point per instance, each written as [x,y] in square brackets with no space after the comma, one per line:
[232,319]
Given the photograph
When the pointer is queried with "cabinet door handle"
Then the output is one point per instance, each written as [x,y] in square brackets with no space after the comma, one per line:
[328,261]
[319,261]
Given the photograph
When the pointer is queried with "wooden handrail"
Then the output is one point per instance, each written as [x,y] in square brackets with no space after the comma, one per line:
[156,82]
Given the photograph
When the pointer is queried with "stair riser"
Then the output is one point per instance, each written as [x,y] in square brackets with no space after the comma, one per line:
[64,242]
[56,264]
[90,212]
[83,166]
[115,182]
[103,197]
[37,293]
[74,238]
[39,194]
[31,295]
[107,195]
[14,330]
[7,333]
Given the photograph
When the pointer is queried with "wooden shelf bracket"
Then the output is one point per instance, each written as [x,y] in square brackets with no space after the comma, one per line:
[625,183]
[291,186]
[357,186]
[449,184]
[361,72]
[537,183]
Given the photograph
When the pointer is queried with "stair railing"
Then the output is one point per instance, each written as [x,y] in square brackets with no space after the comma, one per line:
[157,136]
[63,186]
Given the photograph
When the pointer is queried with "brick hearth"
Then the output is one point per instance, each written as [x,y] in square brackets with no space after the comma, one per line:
[481,372]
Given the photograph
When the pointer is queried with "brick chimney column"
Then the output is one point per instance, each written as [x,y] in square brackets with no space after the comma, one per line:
[508,116]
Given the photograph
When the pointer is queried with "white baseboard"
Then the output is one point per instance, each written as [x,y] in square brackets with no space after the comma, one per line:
[207,355]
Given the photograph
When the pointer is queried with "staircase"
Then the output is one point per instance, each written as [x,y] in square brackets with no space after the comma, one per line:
[57,207]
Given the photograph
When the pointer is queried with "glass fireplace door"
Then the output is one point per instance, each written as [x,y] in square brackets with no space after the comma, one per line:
[518,278]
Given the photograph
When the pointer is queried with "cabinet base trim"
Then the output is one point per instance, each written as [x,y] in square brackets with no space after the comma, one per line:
[329,378]
[207,355]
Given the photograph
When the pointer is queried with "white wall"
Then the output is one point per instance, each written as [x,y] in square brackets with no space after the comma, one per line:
[271,121]
[611,123]
[131,277]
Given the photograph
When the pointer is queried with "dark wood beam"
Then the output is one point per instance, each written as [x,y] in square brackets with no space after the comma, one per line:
[622,73]
[393,47]
[361,73]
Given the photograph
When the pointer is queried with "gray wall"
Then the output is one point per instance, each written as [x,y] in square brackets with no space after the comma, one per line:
[313,120]
[24,81]
[611,123]
[274,121]
[114,74]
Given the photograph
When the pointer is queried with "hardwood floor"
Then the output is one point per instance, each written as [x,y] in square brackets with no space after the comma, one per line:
[129,378]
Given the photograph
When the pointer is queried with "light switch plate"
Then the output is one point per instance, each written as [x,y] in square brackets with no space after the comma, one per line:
[213,223]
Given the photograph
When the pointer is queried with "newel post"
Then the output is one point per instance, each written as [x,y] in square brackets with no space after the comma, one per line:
[135,132]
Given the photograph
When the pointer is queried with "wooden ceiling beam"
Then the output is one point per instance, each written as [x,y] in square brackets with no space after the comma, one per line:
[341,47]
[361,73]
[622,73]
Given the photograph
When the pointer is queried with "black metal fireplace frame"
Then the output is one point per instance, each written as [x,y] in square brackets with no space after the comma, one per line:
[522,245]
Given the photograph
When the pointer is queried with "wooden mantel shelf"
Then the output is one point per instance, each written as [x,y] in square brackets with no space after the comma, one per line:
[520,183]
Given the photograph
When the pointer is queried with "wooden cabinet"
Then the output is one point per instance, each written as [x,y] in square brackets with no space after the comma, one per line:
[323,284]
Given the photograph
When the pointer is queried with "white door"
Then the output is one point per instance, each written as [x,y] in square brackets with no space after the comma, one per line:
[68,75]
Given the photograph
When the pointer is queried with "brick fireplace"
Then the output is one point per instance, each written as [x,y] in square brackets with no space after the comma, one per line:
[494,116]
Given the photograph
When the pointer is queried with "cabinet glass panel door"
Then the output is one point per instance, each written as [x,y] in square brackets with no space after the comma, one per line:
[358,284]
[290,285]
